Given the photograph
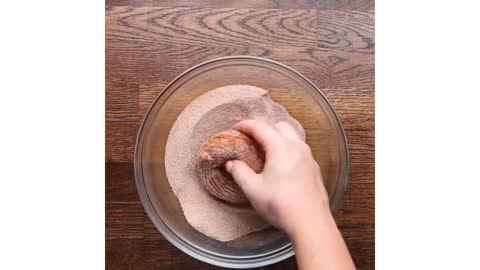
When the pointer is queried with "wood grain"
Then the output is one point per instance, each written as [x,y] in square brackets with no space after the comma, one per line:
[124,254]
[120,141]
[124,221]
[258,4]
[121,101]
[150,42]
[120,183]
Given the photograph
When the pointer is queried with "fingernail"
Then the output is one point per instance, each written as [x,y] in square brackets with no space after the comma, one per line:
[228,166]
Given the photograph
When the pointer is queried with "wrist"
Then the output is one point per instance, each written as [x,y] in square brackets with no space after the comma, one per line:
[308,222]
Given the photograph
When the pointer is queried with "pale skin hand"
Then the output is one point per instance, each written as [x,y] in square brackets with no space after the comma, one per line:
[290,194]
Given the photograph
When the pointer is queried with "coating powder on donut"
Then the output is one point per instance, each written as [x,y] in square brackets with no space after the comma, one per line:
[215,152]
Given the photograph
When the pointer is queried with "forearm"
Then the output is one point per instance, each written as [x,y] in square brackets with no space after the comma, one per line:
[318,244]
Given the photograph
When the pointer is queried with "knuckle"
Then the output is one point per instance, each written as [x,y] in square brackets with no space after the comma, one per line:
[305,148]
[296,150]
[291,147]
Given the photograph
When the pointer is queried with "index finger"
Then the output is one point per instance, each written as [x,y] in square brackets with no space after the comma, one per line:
[263,133]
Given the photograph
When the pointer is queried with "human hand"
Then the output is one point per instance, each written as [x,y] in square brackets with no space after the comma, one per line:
[289,190]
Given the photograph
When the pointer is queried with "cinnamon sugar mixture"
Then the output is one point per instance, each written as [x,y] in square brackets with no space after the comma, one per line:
[213,112]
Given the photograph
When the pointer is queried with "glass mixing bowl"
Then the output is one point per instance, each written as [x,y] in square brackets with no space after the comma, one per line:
[286,86]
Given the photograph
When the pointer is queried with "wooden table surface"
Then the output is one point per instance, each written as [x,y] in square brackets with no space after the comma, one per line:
[150,42]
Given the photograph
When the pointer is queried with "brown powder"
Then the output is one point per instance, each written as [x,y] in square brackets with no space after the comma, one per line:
[215,111]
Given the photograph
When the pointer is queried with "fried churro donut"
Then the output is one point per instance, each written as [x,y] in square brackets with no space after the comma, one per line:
[215,152]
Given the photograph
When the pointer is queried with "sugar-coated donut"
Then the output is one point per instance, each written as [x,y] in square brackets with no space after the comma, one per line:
[215,152]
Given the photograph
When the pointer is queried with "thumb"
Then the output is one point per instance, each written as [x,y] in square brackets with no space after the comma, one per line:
[246,178]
